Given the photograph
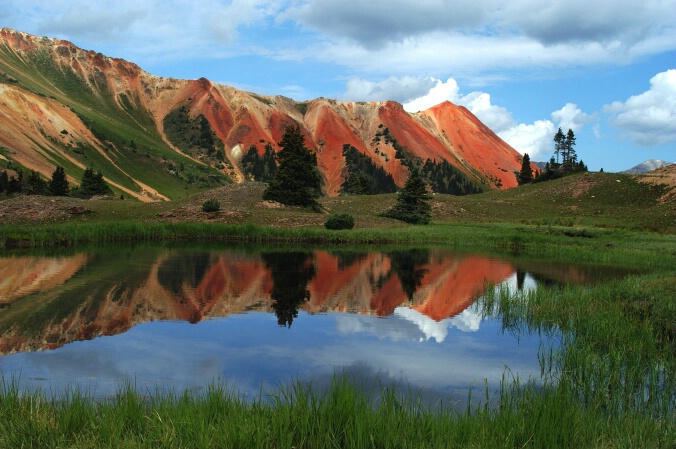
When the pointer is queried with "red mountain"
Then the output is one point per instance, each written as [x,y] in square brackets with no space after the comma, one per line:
[62,105]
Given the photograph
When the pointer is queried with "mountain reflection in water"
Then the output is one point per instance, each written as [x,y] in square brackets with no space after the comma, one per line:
[53,301]
[260,318]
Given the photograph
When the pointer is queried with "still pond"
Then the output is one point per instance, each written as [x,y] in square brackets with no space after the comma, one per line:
[255,320]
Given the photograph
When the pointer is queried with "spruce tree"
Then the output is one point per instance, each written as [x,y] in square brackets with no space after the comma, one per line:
[58,185]
[297,181]
[526,174]
[559,146]
[15,184]
[4,181]
[93,184]
[570,158]
[35,185]
[412,204]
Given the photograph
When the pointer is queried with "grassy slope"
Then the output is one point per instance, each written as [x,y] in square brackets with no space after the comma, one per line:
[589,200]
[148,163]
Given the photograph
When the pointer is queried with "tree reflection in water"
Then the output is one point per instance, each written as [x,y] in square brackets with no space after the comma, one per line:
[291,273]
[410,268]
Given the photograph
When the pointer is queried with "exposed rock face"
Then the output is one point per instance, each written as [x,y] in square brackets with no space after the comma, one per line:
[38,124]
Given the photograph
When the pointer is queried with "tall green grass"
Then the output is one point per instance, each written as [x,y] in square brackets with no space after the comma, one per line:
[613,247]
[609,382]
[298,417]
[618,348]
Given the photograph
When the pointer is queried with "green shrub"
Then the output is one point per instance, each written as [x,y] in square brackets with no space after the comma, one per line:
[211,205]
[339,221]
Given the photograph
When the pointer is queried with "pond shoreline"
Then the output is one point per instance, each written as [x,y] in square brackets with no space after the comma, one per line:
[624,341]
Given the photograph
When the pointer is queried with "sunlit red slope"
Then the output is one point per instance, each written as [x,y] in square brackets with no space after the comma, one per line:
[31,125]
[475,145]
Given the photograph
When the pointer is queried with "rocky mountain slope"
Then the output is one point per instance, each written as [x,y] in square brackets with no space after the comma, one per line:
[647,166]
[62,105]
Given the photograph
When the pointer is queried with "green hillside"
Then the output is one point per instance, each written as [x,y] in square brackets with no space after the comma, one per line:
[126,131]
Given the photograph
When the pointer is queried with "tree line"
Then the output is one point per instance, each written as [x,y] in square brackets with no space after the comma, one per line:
[297,181]
[92,184]
[562,163]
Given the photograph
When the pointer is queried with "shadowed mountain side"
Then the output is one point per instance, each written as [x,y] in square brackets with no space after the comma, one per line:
[62,105]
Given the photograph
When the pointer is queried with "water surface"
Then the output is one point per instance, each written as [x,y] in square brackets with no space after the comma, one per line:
[256,320]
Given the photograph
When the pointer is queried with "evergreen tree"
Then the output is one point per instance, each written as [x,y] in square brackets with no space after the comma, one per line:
[93,184]
[410,267]
[297,181]
[206,137]
[260,167]
[559,145]
[570,158]
[15,185]
[291,273]
[526,174]
[363,176]
[442,177]
[35,185]
[4,181]
[412,204]
[58,185]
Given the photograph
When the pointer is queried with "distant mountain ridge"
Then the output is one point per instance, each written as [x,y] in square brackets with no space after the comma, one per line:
[647,166]
[62,105]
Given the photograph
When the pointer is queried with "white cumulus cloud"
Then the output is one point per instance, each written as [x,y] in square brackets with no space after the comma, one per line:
[534,138]
[571,117]
[396,89]
[649,118]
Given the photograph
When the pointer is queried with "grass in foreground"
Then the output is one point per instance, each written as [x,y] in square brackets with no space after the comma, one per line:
[612,384]
[343,416]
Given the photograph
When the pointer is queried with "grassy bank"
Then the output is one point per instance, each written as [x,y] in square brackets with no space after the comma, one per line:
[342,416]
[610,384]
[612,246]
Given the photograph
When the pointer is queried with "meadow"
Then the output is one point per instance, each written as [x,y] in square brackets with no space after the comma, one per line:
[610,384]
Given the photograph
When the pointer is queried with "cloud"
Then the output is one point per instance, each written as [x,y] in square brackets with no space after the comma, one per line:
[534,139]
[416,38]
[92,23]
[571,117]
[378,37]
[153,29]
[440,92]
[396,89]
[224,21]
[374,23]
[613,23]
[649,118]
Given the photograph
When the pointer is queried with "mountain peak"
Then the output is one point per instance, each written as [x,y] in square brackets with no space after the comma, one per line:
[647,166]
[108,103]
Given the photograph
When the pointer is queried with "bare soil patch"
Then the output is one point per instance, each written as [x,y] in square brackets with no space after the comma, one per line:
[23,209]
[665,176]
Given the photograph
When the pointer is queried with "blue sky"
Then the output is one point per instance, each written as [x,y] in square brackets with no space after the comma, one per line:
[606,69]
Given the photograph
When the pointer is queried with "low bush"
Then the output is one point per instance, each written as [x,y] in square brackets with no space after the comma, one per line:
[211,205]
[339,221]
